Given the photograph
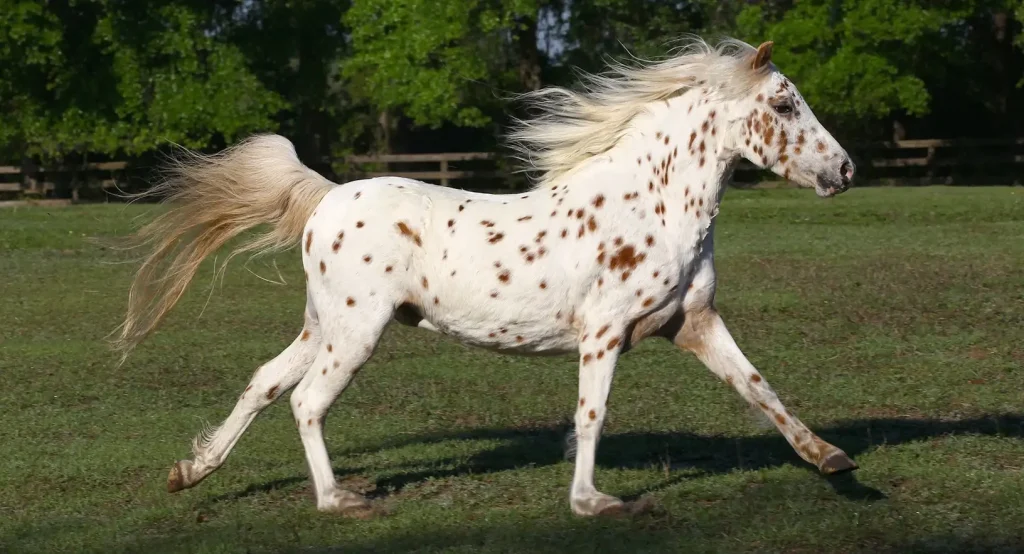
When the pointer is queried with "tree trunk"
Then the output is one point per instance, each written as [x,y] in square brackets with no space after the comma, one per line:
[529,54]
[384,125]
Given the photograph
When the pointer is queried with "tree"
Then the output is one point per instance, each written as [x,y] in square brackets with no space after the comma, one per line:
[119,77]
[862,61]
[441,61]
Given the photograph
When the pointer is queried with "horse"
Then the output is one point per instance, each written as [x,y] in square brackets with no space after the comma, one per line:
[612,243]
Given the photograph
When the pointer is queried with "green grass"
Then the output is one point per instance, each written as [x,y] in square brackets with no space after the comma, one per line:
[890,320]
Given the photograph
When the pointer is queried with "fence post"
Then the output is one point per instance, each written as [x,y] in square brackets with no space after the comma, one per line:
[444,171]
[931,165]
[29,176]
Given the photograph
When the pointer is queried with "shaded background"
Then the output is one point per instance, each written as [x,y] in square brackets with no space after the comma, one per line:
[94,80]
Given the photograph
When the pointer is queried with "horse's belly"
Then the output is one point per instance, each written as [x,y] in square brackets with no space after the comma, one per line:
[509,336]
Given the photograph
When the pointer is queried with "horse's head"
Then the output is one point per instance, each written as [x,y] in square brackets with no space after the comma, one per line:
[776,129]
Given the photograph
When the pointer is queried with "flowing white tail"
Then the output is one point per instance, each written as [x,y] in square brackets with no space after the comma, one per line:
[258,181]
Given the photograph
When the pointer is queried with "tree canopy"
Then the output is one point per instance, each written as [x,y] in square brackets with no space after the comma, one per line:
[121,78]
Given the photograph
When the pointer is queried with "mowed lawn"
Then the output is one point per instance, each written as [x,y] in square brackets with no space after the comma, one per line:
[890,320]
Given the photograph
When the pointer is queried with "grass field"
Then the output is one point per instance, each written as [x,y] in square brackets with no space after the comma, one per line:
[891,321]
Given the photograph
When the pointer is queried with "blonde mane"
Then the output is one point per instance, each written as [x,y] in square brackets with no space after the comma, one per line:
[574,126]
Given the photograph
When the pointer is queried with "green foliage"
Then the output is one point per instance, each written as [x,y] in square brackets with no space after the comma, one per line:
[855,58]
[121,78]
[435,61]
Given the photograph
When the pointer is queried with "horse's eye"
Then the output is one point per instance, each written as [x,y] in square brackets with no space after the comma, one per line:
[783,108]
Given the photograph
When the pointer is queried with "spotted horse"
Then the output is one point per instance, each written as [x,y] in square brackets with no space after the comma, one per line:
[612,243]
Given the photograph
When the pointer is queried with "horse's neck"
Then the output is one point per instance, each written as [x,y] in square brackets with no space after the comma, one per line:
[682,164]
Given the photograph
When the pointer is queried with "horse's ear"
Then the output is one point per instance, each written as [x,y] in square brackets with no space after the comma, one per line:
[764,54]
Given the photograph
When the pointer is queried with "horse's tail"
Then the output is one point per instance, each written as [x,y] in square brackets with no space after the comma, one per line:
[259,180]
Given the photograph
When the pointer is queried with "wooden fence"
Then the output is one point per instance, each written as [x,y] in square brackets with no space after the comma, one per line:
[908,162]
[39,182]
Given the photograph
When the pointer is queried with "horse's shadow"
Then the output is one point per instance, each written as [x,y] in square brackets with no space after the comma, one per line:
[716,454]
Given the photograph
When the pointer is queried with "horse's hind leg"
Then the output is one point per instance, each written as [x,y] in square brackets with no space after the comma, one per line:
[268,383]
[347,345]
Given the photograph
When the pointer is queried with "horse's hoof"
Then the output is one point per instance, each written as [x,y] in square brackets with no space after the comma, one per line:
[601,504]
[614,510]
[837,462]
[176,478]
[349,504]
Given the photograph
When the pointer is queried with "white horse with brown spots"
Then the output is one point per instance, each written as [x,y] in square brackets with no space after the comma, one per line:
[613,244]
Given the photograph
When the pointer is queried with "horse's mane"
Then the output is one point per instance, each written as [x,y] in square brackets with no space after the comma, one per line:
[573,126]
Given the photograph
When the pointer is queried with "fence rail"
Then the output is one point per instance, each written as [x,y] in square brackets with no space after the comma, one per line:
[933,161]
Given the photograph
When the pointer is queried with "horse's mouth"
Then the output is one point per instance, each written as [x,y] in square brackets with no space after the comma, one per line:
[830,190]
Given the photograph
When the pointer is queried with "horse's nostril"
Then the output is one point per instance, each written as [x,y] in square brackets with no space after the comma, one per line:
[846,171]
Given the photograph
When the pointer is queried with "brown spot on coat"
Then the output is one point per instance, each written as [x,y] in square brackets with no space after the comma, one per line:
[626,258]
[350,301]
[425,283]
[504,276]
[359,224]
[323,267]
[587,358]
[309,240]
[367,258]
[592,415]
[598,201]
[602,331]
[305,334]
[272,392]
[330,347]
[755,378]
[613,343]
[413,235]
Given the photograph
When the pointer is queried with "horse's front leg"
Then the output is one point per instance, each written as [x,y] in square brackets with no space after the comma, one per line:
[599,352]
[704,333]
